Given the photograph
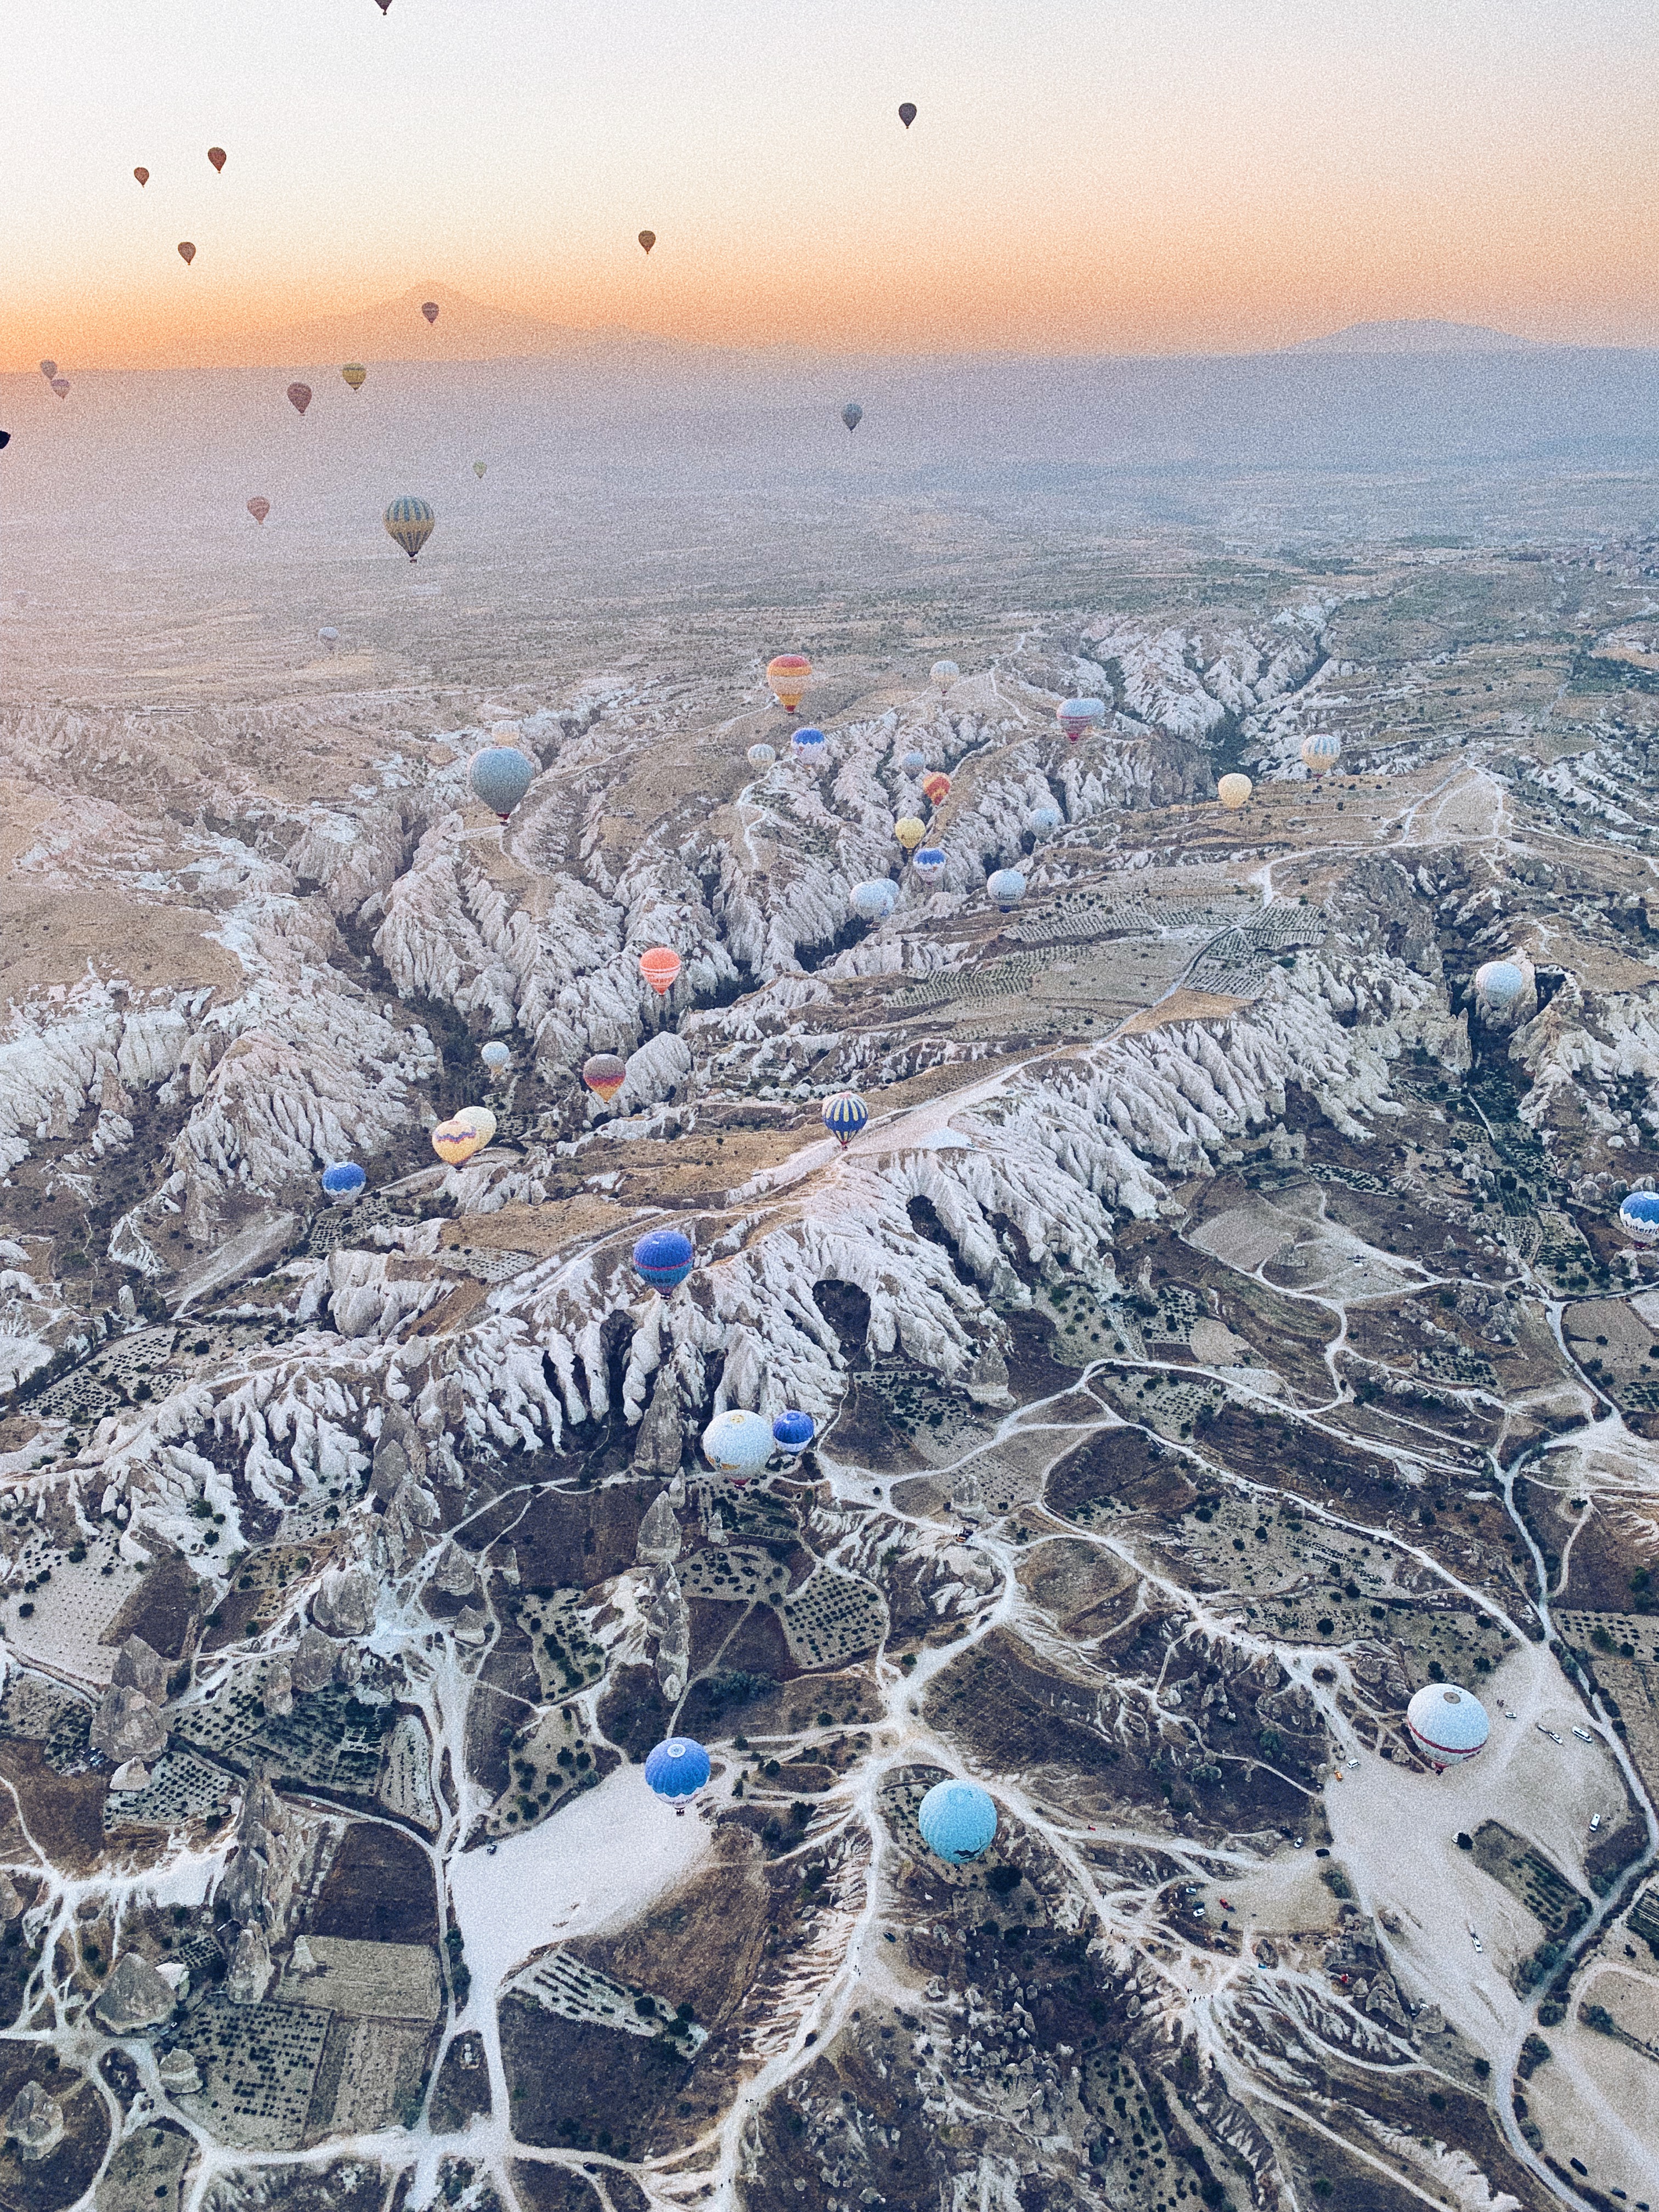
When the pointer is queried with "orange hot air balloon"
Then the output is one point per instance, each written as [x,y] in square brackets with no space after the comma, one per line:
[186,251]
[143,175]
[258,507]
[660,967]
[936,789]
[787,676]
[298,397]
[217,155]
[456,1141]
[648,240]
[429,309]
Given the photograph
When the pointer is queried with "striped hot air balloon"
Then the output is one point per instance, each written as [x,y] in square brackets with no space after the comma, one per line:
[661,966]
[355,374]
[844,1115]
[1321,752]
[455,1142]
[793,1430]
[409,523]
[604,1074]
[664,1258]
[787,673]
[936,789]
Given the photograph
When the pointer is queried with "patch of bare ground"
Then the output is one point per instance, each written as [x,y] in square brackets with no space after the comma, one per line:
[64,2175]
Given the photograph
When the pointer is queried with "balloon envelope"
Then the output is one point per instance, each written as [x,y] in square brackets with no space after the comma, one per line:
[678,1768]
[737,1443]
[929,864]
[500,776]
[1043,818]
[809,745]
[258,508]
[1321,752]
[957,1820]
[664,1258]
[1447,1722]
[186,251]
[648,240]
[409,522]
[343,1179]
[49,370]
[870,902]
[456,1141]
[792,1431]
[300,397]
[143,175]
[761,755]
[217,155]
[787,673]
[355,374]
[1500,984]
[851,414]
[5,440]
[1638,1217]
[495,1055]
[910,831]
[1233,791]
[1079,716]
[1006,887]
[604,1074]
[60,385]
[660,968]
[429,309]
[328,634]
[936,789]
[844,1115]
[945,673]
[478,468]
[907,113]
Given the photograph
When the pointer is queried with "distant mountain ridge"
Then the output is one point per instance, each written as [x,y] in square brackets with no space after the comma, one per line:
[1428,336]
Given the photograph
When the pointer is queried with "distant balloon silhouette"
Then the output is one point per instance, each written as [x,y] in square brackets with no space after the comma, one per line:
[186,251]
[258,507]
[300,395]
[329,636]
[383,5]
[60,385]
[907,113]
[409,523]
[49,370]
[355,374]
[648,240]
[5,440]
[851,414]
[217,155]
[143,175]
[429,309]
[945,673]
[478,468]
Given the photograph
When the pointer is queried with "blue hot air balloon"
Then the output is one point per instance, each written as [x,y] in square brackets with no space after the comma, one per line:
[678,1768]
[792,1431]
[809,745]
[1041,819]
[500,775]
[1007,886]
[873,901]
[1638,1217]
[957,1820]
[409,522]
[343,1179]
[929,864]
[913,763]
[851,414]
[664,1257]
[844,1115]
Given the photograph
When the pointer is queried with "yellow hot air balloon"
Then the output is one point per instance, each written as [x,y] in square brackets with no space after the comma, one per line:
[1234,790]
[355,374]
[909,832]
[787,674]
[456,1141]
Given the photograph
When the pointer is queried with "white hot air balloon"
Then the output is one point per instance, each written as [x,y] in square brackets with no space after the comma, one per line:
[945,673]
[1446,1723]
[737,1443]
[1500,986]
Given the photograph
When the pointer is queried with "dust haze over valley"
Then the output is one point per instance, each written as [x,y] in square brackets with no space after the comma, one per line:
[1221,1329]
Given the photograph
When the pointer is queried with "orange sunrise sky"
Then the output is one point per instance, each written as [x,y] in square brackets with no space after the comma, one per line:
[1111,176]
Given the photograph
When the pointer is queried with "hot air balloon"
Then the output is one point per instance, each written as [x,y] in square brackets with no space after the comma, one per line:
[929,864]
[480,1119]
[787,673]
[1077,717]
[343,1180]
[429,309]
[355,374]
[1447,1723]
[1321,752]
[60,385]
[328,635]
[761,755]
[912,763]
[49,370]
[873,901]
[648,240]
[944,673]
[299,397]
[143,175]
[1233,791]
[258,507]
[1006,887]
[957,1821]
[5,440]
[936,789]
[678,1768]
[810,746]
[1638,1217]
[186,251]
[661,966]
[1499,986]
[1041,819]
[500,776]
[478,468]
[217,155]
[383,5]
[851,414]
[409,523]
[844,1115]
[792,1431]
[737,1443]
[495,1056]
[455,1142]
[664,1257]
[910,831]
[907,113]
[605,1075]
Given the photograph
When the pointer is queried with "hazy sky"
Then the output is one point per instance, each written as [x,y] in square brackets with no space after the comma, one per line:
[1111,175]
